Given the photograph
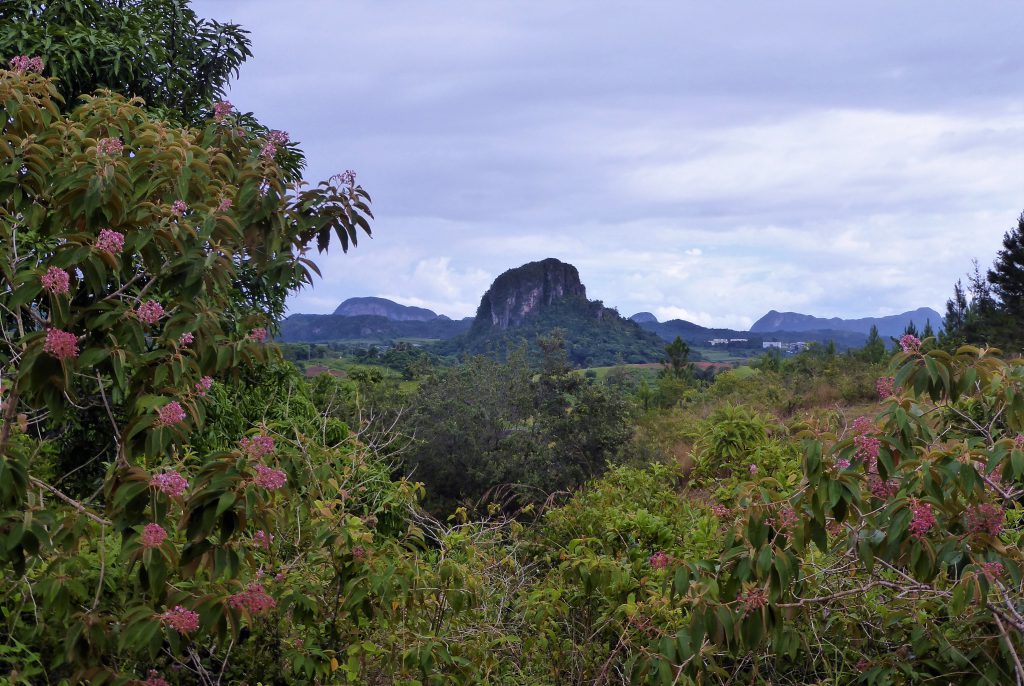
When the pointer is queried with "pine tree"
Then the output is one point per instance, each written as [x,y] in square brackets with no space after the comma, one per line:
[874,347]
[1007,282]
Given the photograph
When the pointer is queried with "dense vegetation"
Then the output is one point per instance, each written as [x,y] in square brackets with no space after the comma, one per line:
[180,505]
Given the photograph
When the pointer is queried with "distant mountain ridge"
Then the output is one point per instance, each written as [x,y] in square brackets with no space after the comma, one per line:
[892,325]
[382,307]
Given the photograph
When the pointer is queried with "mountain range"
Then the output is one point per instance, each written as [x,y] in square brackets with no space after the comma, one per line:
[526,302]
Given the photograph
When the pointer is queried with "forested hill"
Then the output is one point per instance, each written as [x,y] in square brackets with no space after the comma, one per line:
[531,301]
[320,328]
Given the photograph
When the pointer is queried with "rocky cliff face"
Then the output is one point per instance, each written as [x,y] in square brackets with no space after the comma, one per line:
[644,318]
[523,291]
[382,307]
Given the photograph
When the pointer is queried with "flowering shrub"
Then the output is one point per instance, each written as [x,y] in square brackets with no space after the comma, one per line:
[176,257]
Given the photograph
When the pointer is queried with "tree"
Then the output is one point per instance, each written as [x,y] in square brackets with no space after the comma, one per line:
[677,362]
[158,50]
[1006,278]
[874,347]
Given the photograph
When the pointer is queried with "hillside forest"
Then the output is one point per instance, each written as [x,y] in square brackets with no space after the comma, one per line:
[184,500]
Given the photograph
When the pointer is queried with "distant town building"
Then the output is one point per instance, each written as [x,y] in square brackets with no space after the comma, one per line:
[771,344]
[797,346]
[738,340]
[719,341]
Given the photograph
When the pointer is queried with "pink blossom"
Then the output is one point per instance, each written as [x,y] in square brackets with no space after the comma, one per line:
[721,511]
[883,490]
[258,446]
[863,665]
[178,208]
[923,519]
[268,150]
[180,619]
[108,147]
[985,518]
[153,536]
[170,483]
[203,385]
[863,425]
[170,414]
[186,339]
[884,386]
[225,205]
[24,63]
[910,343]
[786,519]
[270,479]
[1018,441]
[754,599]
[299,643]
[56,281]
[254,599]
[277,137]
[358,553]
[753,469]
[61,344]
[221,110]
[659,560]
[259,335]
[867,451]
[991,570]
[155,679]
[842,463]
[110,241]
[263,539]
[279,576]
[150,312]
[345,178]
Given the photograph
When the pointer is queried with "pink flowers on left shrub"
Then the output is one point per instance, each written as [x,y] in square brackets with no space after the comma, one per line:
[150,312]
[169,483]
[24,63]
[110,241]
[270,479]
[259,335]
[923,519]
[258,446]
[109,147]
[180,619]
[910,343]
[170,414]
[153,536]
[254,599]
[61,344]
[56,281]
[659,560]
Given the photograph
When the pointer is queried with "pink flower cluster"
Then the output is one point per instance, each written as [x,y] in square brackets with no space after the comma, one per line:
[254,599]
[24,63]
[203,385]
[786,519]
[985,519]
[842,463]
[659,560]
[358,553]
[155,679]
[110,241]
[268,150]
[153,536]
[991,570]
[221,110]
[169,483]
[752,469]
[270,479]
[56,281]
[278,137]
[61,344]
[1018,441]
[258,446]
[910,343]
[178,208]
[263,539]
[863,425]
[225,205]
[186,339]
[150,312]
[867,451]
[884,386]
[754,599]
[345,178]
[180,619]
[721,511]
[923,519]
[170,414]
[883,490]
[108,147]
[259,335]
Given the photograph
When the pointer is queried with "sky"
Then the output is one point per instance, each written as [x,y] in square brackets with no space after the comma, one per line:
[703,161]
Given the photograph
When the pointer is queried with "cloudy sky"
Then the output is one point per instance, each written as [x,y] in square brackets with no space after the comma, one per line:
[709,161]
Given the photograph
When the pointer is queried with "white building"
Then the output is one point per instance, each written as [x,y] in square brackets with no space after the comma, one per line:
[771,344]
